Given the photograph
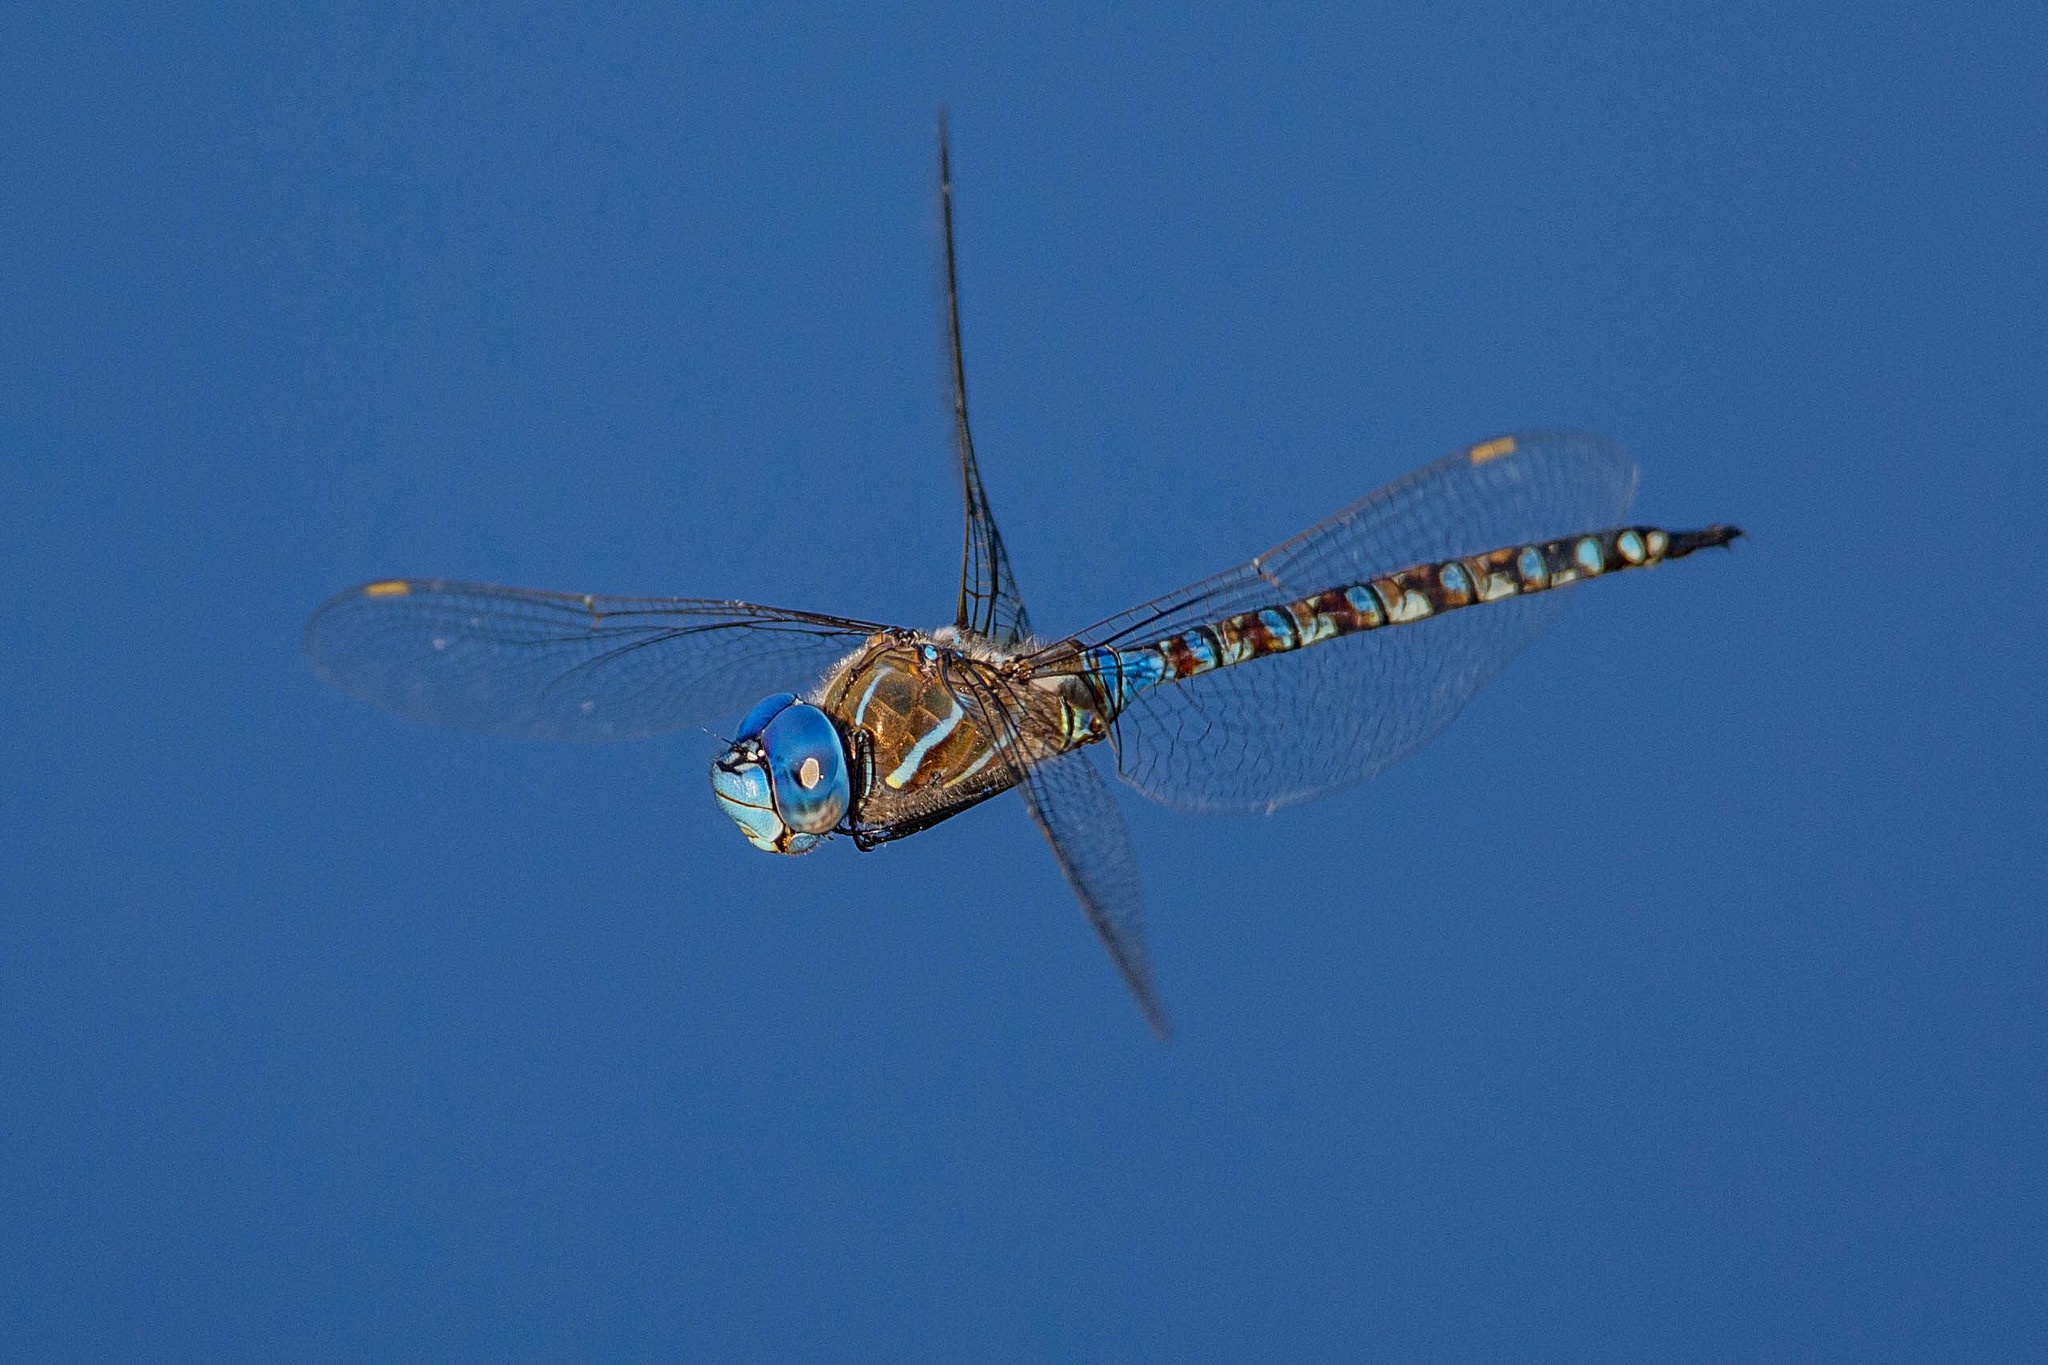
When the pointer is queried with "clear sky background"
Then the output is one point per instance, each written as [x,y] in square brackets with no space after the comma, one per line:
[1689,997]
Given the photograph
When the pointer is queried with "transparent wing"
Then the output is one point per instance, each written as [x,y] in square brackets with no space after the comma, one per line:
[1291,727]
[989,601]
[1073,806]
[544,665]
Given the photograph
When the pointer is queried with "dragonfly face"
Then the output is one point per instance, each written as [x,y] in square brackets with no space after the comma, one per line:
[784,779]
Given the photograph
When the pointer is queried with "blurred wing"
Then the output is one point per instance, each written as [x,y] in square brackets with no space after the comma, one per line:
[543,665]
[989,601]
[1291,727]
[1073,806]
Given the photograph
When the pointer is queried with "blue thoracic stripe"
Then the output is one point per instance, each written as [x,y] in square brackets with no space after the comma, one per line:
[1412,594]
[902,774]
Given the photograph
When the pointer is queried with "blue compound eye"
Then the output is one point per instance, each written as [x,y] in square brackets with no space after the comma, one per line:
[806,768]
[765,710]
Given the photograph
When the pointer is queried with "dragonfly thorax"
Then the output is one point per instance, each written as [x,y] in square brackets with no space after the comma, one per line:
[783,780]
[939,722]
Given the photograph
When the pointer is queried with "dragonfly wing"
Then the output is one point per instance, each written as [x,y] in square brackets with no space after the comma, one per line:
[1275,732]
[1291,727]
[1073,806]
[544,665]
[989,601]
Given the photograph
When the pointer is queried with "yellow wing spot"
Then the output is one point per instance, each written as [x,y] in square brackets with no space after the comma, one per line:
[1492,450]
[391,587]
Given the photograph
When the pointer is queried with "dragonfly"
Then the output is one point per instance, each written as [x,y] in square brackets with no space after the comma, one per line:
[1301,671]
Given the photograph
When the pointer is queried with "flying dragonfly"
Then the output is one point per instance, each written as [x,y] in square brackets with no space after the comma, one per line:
[1304,670]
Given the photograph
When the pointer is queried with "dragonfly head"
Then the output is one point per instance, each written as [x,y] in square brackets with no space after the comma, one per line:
[784,781]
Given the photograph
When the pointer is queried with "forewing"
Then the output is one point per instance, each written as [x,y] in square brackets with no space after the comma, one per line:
[511,661]
[990,604]
[1073,806]
[1291,727]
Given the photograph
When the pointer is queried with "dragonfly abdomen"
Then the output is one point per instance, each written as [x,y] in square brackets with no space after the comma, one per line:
[1403,597]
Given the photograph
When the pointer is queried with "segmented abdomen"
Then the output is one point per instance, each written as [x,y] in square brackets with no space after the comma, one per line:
[1396,599]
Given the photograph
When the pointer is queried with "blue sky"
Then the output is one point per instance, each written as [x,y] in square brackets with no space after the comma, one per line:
[1686,998]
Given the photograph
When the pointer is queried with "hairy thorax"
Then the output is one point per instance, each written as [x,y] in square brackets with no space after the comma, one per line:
[937,723]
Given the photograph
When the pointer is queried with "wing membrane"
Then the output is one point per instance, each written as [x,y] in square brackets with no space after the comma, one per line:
[1073,808]
[1291,727]
[989,601]
[512,661]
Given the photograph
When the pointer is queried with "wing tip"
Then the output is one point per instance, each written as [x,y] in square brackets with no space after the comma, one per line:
[381,589]
[1162,1027]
